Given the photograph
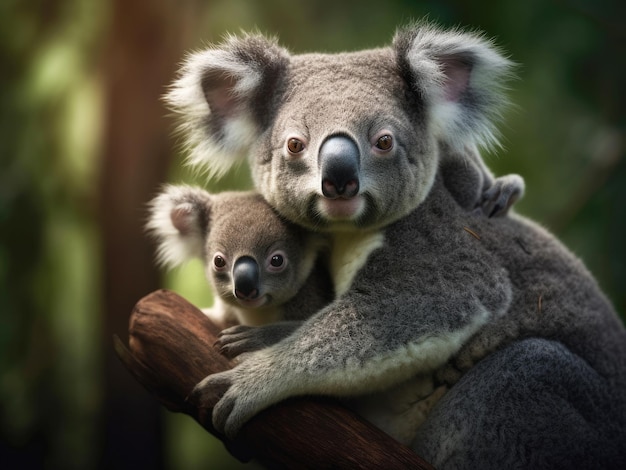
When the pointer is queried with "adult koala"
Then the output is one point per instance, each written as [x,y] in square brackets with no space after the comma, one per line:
[493,311]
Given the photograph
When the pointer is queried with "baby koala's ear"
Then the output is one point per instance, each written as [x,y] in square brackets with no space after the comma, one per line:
[461,76]
[224,95]
[179,220]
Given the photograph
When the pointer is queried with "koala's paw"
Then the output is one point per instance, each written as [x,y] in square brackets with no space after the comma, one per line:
[243,393]
[505,191]
[238,340]
[242,339]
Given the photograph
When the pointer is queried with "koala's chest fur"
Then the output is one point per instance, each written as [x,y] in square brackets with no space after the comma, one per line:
[350,251]
[228,314]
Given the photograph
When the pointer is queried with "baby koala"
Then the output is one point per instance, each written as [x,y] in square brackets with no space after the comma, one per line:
[262,268]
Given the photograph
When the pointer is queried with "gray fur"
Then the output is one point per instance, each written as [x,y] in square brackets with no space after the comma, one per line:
[493,314]
[189,223]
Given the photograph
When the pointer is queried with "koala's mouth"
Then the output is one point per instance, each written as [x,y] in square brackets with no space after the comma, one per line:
[341,208]
[254,303]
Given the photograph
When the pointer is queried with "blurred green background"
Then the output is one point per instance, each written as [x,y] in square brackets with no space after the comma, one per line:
[85,142]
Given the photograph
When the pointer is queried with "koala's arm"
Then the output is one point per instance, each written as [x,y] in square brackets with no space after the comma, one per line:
[367,340]
[499,194]
[474,187]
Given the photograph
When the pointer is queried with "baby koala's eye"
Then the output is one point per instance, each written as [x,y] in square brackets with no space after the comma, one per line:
[219,261]
[277,261]
[295,145]
[384,142]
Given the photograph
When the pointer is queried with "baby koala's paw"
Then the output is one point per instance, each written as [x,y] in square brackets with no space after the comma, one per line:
[242,339]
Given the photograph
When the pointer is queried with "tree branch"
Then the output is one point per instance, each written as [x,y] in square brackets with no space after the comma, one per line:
[171,350]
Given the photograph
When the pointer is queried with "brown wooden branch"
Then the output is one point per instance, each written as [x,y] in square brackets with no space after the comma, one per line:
[171,349]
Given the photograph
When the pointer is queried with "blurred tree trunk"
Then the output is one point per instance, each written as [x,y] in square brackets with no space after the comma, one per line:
[143,48]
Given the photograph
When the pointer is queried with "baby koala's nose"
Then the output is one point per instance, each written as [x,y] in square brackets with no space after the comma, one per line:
[246,278]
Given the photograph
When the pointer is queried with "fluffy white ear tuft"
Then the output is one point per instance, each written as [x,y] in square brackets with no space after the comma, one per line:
[462,78]
[224,96]
[179,221]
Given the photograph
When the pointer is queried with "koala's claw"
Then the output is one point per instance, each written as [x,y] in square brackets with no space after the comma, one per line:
[505,191]
[235,330]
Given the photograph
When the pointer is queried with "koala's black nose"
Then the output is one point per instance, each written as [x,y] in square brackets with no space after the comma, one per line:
[339,164]
[246,278]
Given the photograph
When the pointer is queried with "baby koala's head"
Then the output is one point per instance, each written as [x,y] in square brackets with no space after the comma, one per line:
[252,256]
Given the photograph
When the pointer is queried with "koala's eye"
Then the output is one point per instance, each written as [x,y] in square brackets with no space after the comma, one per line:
[219,261]
[295,145]
[384,142]
[277,261]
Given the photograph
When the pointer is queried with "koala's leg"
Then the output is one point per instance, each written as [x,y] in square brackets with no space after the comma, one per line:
[400,410]
[533,404]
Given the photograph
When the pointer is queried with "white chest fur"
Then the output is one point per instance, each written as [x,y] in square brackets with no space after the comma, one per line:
[349,253]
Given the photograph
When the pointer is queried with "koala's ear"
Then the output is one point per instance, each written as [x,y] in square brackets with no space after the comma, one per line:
[224,95]
[461,76]
[179,220]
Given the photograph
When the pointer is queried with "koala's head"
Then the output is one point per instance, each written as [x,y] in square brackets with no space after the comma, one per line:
[341,141]
[253,257]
